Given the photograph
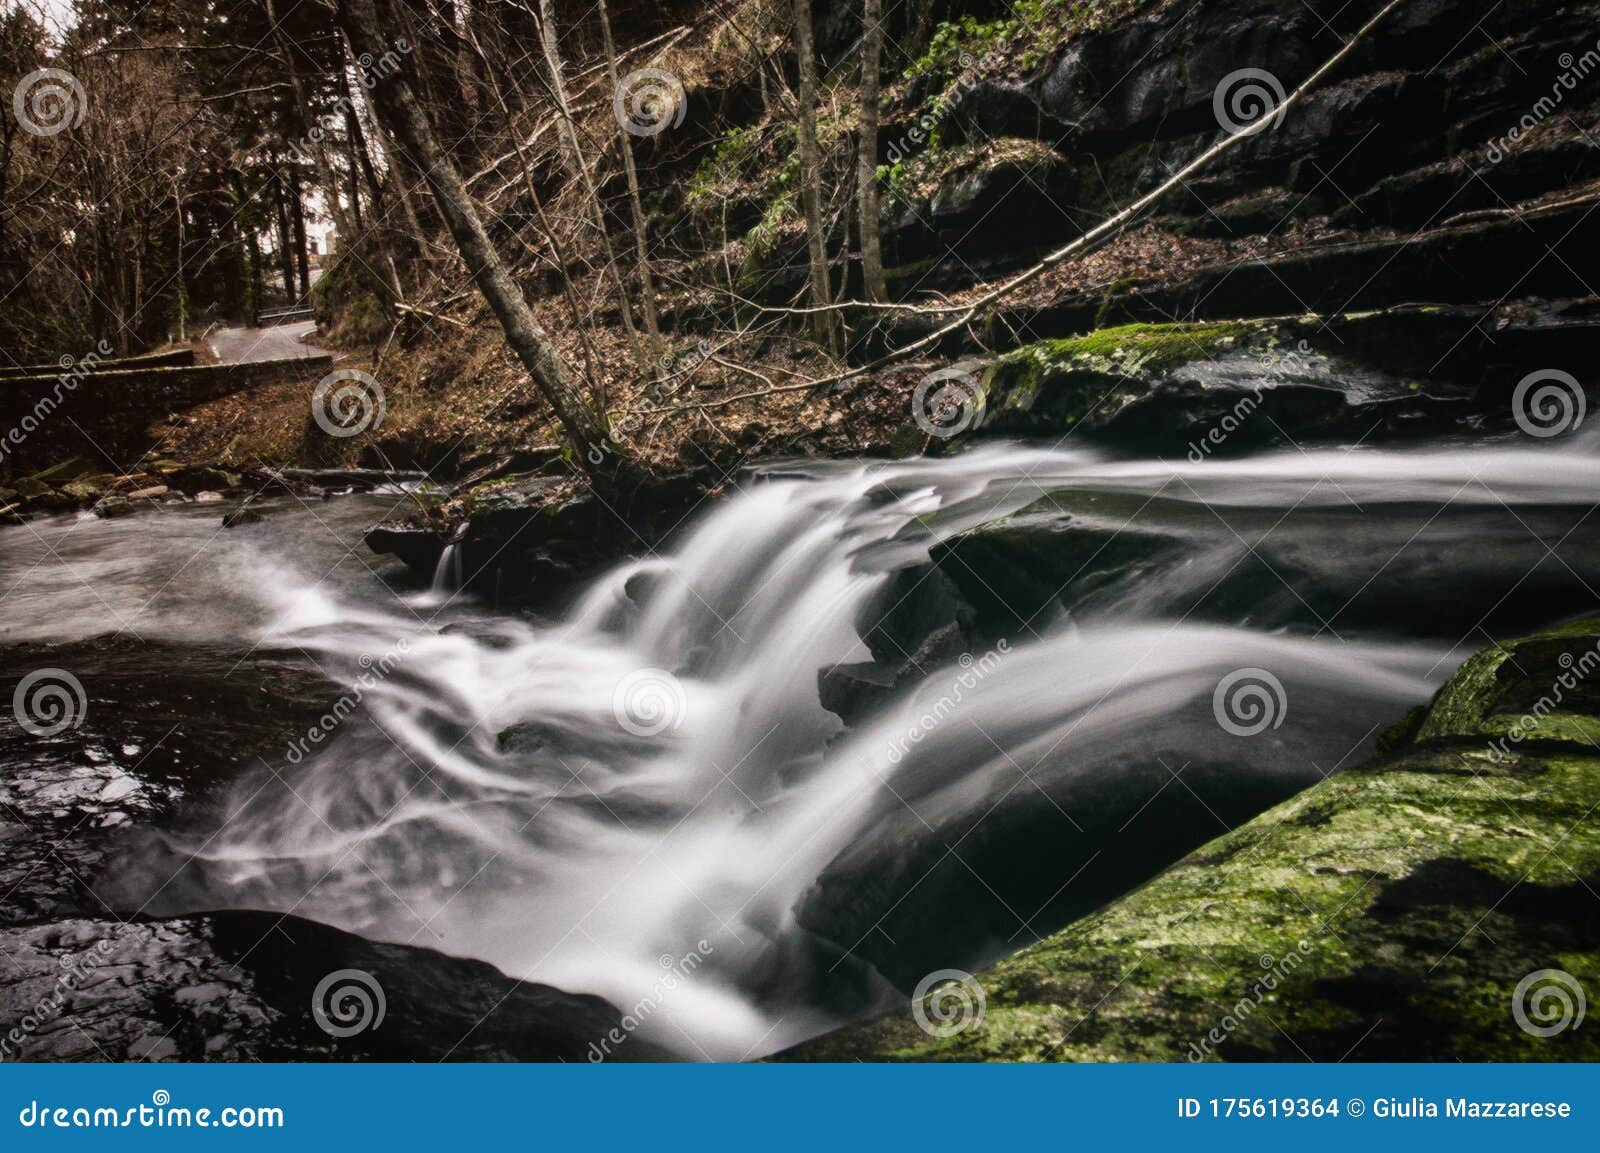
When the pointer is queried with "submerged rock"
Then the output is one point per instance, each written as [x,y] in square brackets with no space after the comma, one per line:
[1436,903]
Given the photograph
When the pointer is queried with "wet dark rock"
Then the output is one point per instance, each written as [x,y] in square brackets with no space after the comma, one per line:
[242,516]
[240,986]
[1088,553]
[355,479]
[162,728]
[417,545]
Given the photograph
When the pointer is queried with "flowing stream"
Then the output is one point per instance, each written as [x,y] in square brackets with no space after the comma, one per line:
[647,783]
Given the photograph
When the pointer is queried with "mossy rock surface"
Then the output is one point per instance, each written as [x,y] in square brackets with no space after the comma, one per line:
[1206,387]
[1392,911]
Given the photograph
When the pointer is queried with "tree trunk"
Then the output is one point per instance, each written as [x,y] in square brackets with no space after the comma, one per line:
[558,255]
[321,163]
[398,173]
[641,240]
[826,324]
[182,283]
[867,161]
[285,244]
[244,219]
[405,120]
[297,219]
[579,170]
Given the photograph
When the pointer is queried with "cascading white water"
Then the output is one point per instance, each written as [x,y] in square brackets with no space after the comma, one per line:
[654,775]
[447,573]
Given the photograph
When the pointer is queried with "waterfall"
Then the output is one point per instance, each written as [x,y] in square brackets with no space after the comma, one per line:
[447,573]
[653,775]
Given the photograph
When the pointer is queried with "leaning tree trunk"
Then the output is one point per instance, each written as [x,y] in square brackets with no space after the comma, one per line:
[826,323]
[408,124]
[867,160]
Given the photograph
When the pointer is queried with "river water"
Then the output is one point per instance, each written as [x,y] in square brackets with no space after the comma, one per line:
[644,780]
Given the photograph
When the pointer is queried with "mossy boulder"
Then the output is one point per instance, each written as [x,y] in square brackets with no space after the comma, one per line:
[1202,388]
[1437,903]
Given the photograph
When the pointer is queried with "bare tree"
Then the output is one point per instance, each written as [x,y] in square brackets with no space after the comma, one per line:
[867,159]
[397,106]
[826,323]
[579,170]
[647,290]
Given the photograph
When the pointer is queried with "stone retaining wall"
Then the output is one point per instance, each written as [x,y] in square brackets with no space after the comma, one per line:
[108,412]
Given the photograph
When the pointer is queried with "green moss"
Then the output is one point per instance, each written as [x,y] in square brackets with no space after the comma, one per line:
[1017,382]
[1390,911]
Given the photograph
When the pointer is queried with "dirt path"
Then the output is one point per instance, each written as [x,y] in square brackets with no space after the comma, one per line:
[240,345]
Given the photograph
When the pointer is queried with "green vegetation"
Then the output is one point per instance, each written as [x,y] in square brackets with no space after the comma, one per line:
[1016,382]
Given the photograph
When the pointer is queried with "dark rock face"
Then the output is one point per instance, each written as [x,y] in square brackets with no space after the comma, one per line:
[1403,130]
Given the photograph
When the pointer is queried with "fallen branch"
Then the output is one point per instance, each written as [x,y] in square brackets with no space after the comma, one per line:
[401,306]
